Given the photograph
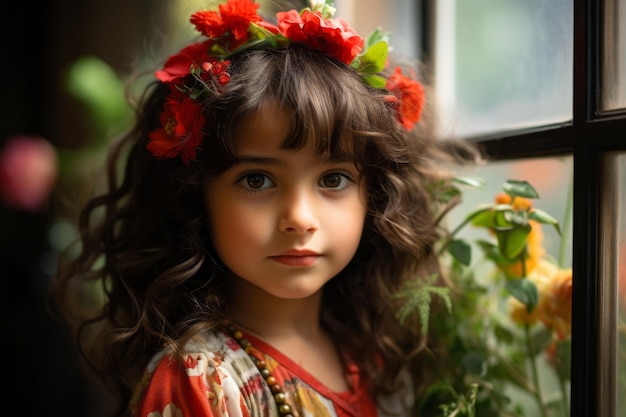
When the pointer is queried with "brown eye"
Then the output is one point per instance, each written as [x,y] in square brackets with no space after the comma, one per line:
[335,181]
[255,181]
[331,181]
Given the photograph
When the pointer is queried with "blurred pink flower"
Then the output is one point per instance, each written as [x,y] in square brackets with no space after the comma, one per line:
[28,171]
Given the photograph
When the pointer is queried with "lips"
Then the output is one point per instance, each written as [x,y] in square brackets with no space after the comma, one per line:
[297,258]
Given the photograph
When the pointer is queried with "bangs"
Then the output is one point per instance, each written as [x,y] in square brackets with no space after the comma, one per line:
[326,100]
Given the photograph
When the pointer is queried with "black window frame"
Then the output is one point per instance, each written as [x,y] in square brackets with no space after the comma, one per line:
[586,139]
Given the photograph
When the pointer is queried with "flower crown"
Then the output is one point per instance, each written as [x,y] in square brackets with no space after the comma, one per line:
[202,67]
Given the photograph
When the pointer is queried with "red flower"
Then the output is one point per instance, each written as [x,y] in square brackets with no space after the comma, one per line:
[181,129]
[177,66]
[218,70]
[234,17]
[408,98]
[330,37]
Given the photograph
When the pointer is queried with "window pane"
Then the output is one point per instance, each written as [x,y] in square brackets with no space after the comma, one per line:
[614,56]
[503,64]
[396,16]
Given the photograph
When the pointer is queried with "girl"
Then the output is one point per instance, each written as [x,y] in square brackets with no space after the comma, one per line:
[274,199]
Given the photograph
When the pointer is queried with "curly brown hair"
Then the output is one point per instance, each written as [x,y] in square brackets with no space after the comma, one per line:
[146,239]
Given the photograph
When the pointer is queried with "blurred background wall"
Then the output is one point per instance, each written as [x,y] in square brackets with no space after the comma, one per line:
[38,43]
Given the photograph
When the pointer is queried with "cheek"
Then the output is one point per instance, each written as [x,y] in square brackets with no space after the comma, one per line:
[346,223]
[234,229]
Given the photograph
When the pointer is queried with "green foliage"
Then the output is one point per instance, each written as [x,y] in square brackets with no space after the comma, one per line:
[523,290]
[373,61]
[96,85]
[486,360]
[418,296]
[544,218]
[516,188]
[461,251]
[459,405]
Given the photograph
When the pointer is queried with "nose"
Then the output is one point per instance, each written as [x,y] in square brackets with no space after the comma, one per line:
[298,213]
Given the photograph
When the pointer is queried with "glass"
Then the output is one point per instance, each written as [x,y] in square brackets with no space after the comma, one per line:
[612,329]
[503,64]
[613,81]
[395,16]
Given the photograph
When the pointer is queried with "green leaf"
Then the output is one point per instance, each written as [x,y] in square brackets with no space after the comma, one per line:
[328,9]
[492,252]
[492,216]
[472,182]
[377,36]
[375,81]
[195,93]
[518,218]
[374,59]
[418,296]
[512,241]
[516,188]
[461,251]
[486,218]
[258,34]
[448,194]
[482,216]
[543,217]
[524,291]
[506,217]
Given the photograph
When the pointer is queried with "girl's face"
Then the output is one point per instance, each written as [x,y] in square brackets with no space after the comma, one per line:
[284,221]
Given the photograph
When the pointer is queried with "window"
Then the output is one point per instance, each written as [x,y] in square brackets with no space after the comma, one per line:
[594,140]
[538,82]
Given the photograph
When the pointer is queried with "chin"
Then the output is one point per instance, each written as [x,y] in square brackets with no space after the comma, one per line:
[295,293]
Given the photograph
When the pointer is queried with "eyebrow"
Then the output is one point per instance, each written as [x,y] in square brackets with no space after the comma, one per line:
[260,160]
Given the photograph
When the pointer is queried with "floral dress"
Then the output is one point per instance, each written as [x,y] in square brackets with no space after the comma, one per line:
[219,379]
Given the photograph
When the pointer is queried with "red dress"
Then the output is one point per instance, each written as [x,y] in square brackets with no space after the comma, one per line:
[219,379]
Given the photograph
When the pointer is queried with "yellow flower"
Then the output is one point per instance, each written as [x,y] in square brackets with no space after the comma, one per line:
[557,313]
[541,276]
[554,306]
[520,314]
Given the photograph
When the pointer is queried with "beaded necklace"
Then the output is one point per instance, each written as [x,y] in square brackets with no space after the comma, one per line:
[277,390]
